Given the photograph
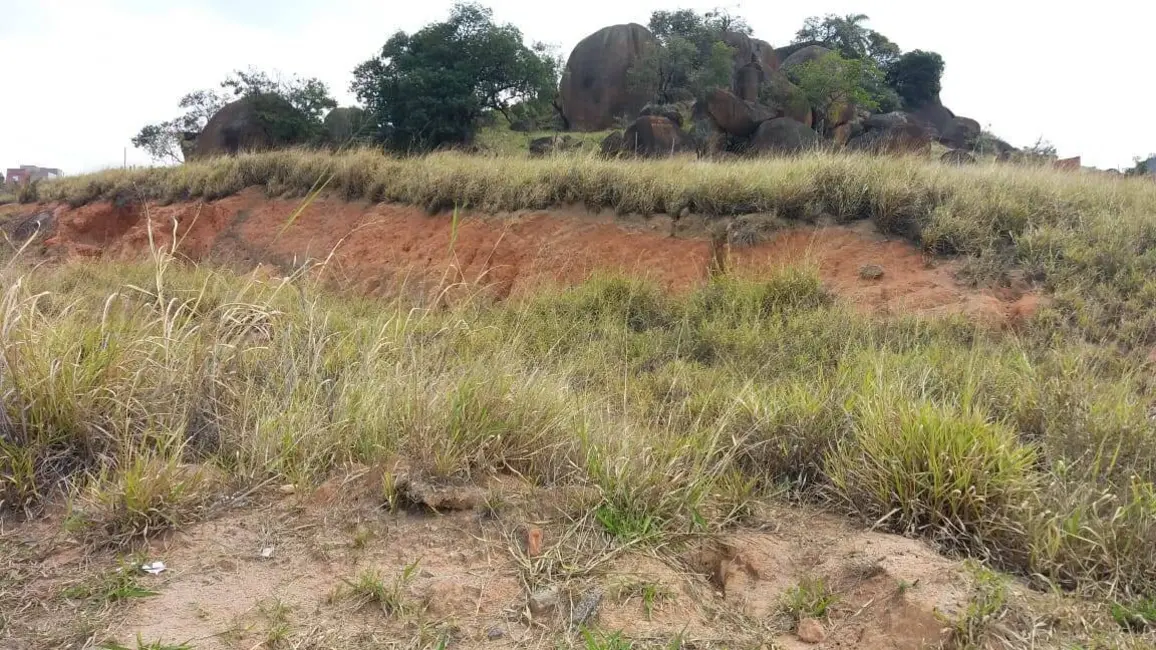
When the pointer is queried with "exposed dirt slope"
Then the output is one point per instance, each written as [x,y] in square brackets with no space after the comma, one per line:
[371,246]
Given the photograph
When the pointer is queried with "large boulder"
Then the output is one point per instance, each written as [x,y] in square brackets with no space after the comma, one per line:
[783,135]
[934,116]
[786,99]
[252,123]
[801,56]
[669,111]
[346,125]
[960,133]
[749,50]
[613,144]
[594,90]
[733,115]
[843,133]
[905,139]
[886,121]
[748,80]
[653,137]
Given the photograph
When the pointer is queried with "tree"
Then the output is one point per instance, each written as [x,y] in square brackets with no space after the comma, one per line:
[692,57]
[847,36]
[916,76]
[167,141]
[833,83]
[429,89]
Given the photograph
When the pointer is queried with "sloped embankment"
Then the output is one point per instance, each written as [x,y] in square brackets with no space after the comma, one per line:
[371,248]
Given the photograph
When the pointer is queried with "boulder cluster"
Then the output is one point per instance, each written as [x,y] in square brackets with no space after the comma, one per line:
[762,112]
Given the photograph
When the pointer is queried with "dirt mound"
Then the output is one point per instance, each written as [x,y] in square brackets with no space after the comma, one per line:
[369,248]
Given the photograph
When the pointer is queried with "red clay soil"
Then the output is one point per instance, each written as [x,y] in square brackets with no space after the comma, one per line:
[371,247]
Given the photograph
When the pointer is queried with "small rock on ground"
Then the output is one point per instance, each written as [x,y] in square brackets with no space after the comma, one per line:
[810,631]
[544,601]
[495,633]
[871,271]
[586,607]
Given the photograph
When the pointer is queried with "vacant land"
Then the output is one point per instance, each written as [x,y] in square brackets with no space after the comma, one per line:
[614,462]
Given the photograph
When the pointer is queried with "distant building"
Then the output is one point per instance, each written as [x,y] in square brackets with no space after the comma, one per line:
[28,173]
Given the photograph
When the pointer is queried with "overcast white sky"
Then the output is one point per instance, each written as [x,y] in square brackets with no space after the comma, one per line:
[80,77]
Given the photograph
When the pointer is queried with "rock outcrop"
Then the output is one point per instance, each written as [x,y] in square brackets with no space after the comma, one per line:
[904,139]
[735,116]
[346,125]
[594,89]
[786,99]
[253,123]
[783,135]
[960,133]
[809,53]
[651,136]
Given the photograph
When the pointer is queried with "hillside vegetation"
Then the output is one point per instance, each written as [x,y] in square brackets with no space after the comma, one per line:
[1086,238]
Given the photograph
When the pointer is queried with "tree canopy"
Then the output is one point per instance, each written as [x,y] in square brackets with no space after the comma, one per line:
[833,83]
[166,141]
[915,76]
[428,89]
[849,37]
[692,57]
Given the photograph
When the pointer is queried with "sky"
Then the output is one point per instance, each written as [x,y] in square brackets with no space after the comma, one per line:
[81,77]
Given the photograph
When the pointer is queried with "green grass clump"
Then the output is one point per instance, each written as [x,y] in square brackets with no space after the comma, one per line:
[811,598]
[140,392]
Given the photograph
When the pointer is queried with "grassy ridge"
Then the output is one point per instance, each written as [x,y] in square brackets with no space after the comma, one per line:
[1089,239]
[143,391]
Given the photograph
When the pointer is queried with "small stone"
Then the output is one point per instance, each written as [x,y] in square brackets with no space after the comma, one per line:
[495,633]
[544,601]
[288,488]
[585,608]
[870,271]
[810,631]
[267,552]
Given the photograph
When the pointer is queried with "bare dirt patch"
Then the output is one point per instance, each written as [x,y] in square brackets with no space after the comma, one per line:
[371,248]
[289,572]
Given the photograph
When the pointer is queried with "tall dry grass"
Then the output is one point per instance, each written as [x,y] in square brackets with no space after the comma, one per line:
[1090,239]
[140,393]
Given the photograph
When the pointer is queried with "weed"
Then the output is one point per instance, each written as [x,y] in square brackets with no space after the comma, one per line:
[651,594]
[1137,616]
[987,604]
[809,599]
[592,640]
[121,583]
[370,587]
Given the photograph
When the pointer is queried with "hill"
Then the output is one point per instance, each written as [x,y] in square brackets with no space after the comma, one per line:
[460,401]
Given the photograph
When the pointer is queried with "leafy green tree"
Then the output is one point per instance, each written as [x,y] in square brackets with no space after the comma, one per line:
[849,37]
[167,141]
[692,58]
[833,82]
[916,76]
[430,88]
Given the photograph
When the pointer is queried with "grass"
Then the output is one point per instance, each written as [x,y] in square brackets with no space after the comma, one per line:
[809,599]
[1089,239]
[371,588]
[112,586]
[133,385]
[140,393]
